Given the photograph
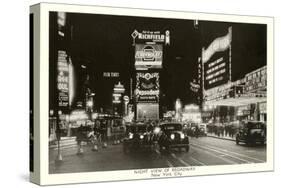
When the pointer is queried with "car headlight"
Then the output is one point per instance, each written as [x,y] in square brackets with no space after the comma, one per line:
[131,135]
[141,136]
[156,130]
[182,136]
[172,136]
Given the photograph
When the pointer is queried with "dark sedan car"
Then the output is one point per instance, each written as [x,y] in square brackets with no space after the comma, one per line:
[172,136]
[138,137]
[251,133]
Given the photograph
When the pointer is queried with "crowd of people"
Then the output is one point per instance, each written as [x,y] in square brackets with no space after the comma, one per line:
[223,129]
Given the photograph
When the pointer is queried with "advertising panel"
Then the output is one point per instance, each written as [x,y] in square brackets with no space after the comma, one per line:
[116,98]
[151,36]
[147,111]
[216,61]
[147,87]
[216,70]
[256,80]
[148,56]
[63,79]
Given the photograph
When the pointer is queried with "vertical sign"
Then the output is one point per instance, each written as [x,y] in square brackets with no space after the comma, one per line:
[216,60]
[63,79]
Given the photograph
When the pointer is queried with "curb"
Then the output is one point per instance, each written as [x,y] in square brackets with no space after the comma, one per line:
[222,138]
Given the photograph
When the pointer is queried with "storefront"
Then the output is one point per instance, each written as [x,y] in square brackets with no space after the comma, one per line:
[243,113]
[262,112]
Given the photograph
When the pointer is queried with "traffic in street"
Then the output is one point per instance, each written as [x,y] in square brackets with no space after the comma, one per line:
[204,151]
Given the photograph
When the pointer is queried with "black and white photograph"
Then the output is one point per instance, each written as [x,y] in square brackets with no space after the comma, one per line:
[140,93]
[135,92]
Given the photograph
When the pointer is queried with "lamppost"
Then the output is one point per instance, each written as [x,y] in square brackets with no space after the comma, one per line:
[58,135]
[90,104]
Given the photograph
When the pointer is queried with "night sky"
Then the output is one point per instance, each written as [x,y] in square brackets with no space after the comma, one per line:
[104,43]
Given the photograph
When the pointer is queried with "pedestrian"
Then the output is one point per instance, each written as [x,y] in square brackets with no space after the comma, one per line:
[222,130]
[218,130]
[79,139]
[197,131]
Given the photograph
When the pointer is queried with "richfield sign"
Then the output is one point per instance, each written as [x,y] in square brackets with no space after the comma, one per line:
[151,36]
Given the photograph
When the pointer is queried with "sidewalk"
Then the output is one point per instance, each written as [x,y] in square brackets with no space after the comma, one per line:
[213,135]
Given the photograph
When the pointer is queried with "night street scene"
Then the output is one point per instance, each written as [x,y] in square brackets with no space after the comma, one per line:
[139,92]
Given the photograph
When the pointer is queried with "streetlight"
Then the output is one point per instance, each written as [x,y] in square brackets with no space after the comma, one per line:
[58,134]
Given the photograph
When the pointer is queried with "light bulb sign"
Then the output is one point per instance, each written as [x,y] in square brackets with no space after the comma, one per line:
[216,71]
[148,56]
[147,111]
[147,87]
[151,36]
[217,61]
[118,90]
[61,21]
[63,79]
[256,80]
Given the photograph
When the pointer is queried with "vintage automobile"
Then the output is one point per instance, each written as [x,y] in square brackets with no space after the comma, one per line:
[203,129]
[139,137]
[251,132]
[172,136]
[189,128]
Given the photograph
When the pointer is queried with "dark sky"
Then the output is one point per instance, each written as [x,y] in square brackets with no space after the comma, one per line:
[104,43]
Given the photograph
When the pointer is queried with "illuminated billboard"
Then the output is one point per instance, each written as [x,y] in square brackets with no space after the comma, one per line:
[147,87]
[216,61]
[148,56]
[147,111]
[63,79]
[151,36]
[216,70]
[256,81]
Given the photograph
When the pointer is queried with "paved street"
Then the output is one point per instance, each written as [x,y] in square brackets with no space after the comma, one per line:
[203,151]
